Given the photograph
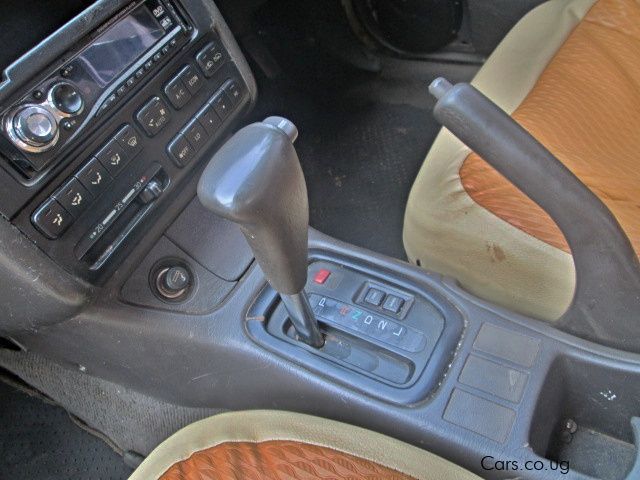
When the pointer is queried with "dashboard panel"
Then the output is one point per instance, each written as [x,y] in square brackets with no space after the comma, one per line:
[97,143]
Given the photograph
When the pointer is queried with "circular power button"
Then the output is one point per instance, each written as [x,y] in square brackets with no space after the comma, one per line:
[35,125]
[66,98]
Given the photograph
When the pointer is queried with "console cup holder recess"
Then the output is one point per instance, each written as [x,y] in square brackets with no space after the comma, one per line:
[588,415]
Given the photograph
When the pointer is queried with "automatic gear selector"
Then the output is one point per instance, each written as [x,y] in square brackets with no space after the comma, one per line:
[372,329]
[256,181]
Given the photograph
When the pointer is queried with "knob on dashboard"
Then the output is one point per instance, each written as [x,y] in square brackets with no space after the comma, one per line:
[173,282]
[35,125]
[66,98]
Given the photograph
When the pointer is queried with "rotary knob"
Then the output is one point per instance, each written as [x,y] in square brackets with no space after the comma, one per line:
[173,282]
[35,125]
[66,98]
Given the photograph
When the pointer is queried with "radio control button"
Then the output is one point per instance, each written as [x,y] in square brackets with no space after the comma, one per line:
[112,157]
[129,140]
[166,23]
[177,93]
[180,150]
[210,58]
[153,116]
[110,100]
[195,134]
[52,219]
[94,177]
[74,198]
[67,71]
[191,78]
[66,98]
[222,105]
[209,119]
[35,125]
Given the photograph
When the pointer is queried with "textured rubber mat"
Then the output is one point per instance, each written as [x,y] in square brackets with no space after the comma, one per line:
[360,170]
[359,159]
[39,441]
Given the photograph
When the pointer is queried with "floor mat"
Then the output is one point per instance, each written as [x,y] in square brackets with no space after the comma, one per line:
[365,118]
[361,147]
[359,171]
[39,441]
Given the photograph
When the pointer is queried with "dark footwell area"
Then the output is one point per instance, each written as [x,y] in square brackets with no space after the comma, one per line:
[361,145]
[39,441]
[364,118]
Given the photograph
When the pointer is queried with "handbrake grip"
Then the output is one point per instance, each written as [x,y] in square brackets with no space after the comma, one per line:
[606,302]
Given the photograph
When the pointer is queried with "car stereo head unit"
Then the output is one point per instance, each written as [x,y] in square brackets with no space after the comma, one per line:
[88,82]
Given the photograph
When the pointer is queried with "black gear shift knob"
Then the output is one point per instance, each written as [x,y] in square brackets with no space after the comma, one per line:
[256,181]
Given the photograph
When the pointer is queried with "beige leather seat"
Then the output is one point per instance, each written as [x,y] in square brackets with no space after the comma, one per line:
[273,445]
[569,72]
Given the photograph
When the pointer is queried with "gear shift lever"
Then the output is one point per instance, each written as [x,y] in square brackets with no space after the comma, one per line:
[256,181]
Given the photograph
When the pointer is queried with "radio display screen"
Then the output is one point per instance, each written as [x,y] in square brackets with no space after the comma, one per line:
[116,49]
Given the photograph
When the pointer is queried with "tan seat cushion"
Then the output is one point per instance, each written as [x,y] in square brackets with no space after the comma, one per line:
[569,72]
[275,445]
[585,108]
[276,459]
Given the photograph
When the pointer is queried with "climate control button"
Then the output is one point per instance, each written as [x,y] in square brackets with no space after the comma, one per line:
[112,157]
[94,177]
[129,140]
[52,219]
[153,116]
[73,197]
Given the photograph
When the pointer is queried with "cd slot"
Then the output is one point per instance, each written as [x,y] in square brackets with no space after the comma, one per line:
[104,238]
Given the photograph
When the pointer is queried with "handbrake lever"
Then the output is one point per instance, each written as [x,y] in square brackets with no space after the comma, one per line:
[606,302]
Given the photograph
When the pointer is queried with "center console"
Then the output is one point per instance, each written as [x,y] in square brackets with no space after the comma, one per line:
[95,142]
[386,336]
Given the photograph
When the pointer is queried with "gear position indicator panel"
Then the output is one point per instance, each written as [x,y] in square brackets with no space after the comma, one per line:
[360,321]
[394,321]
[384,334]
[394,318]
